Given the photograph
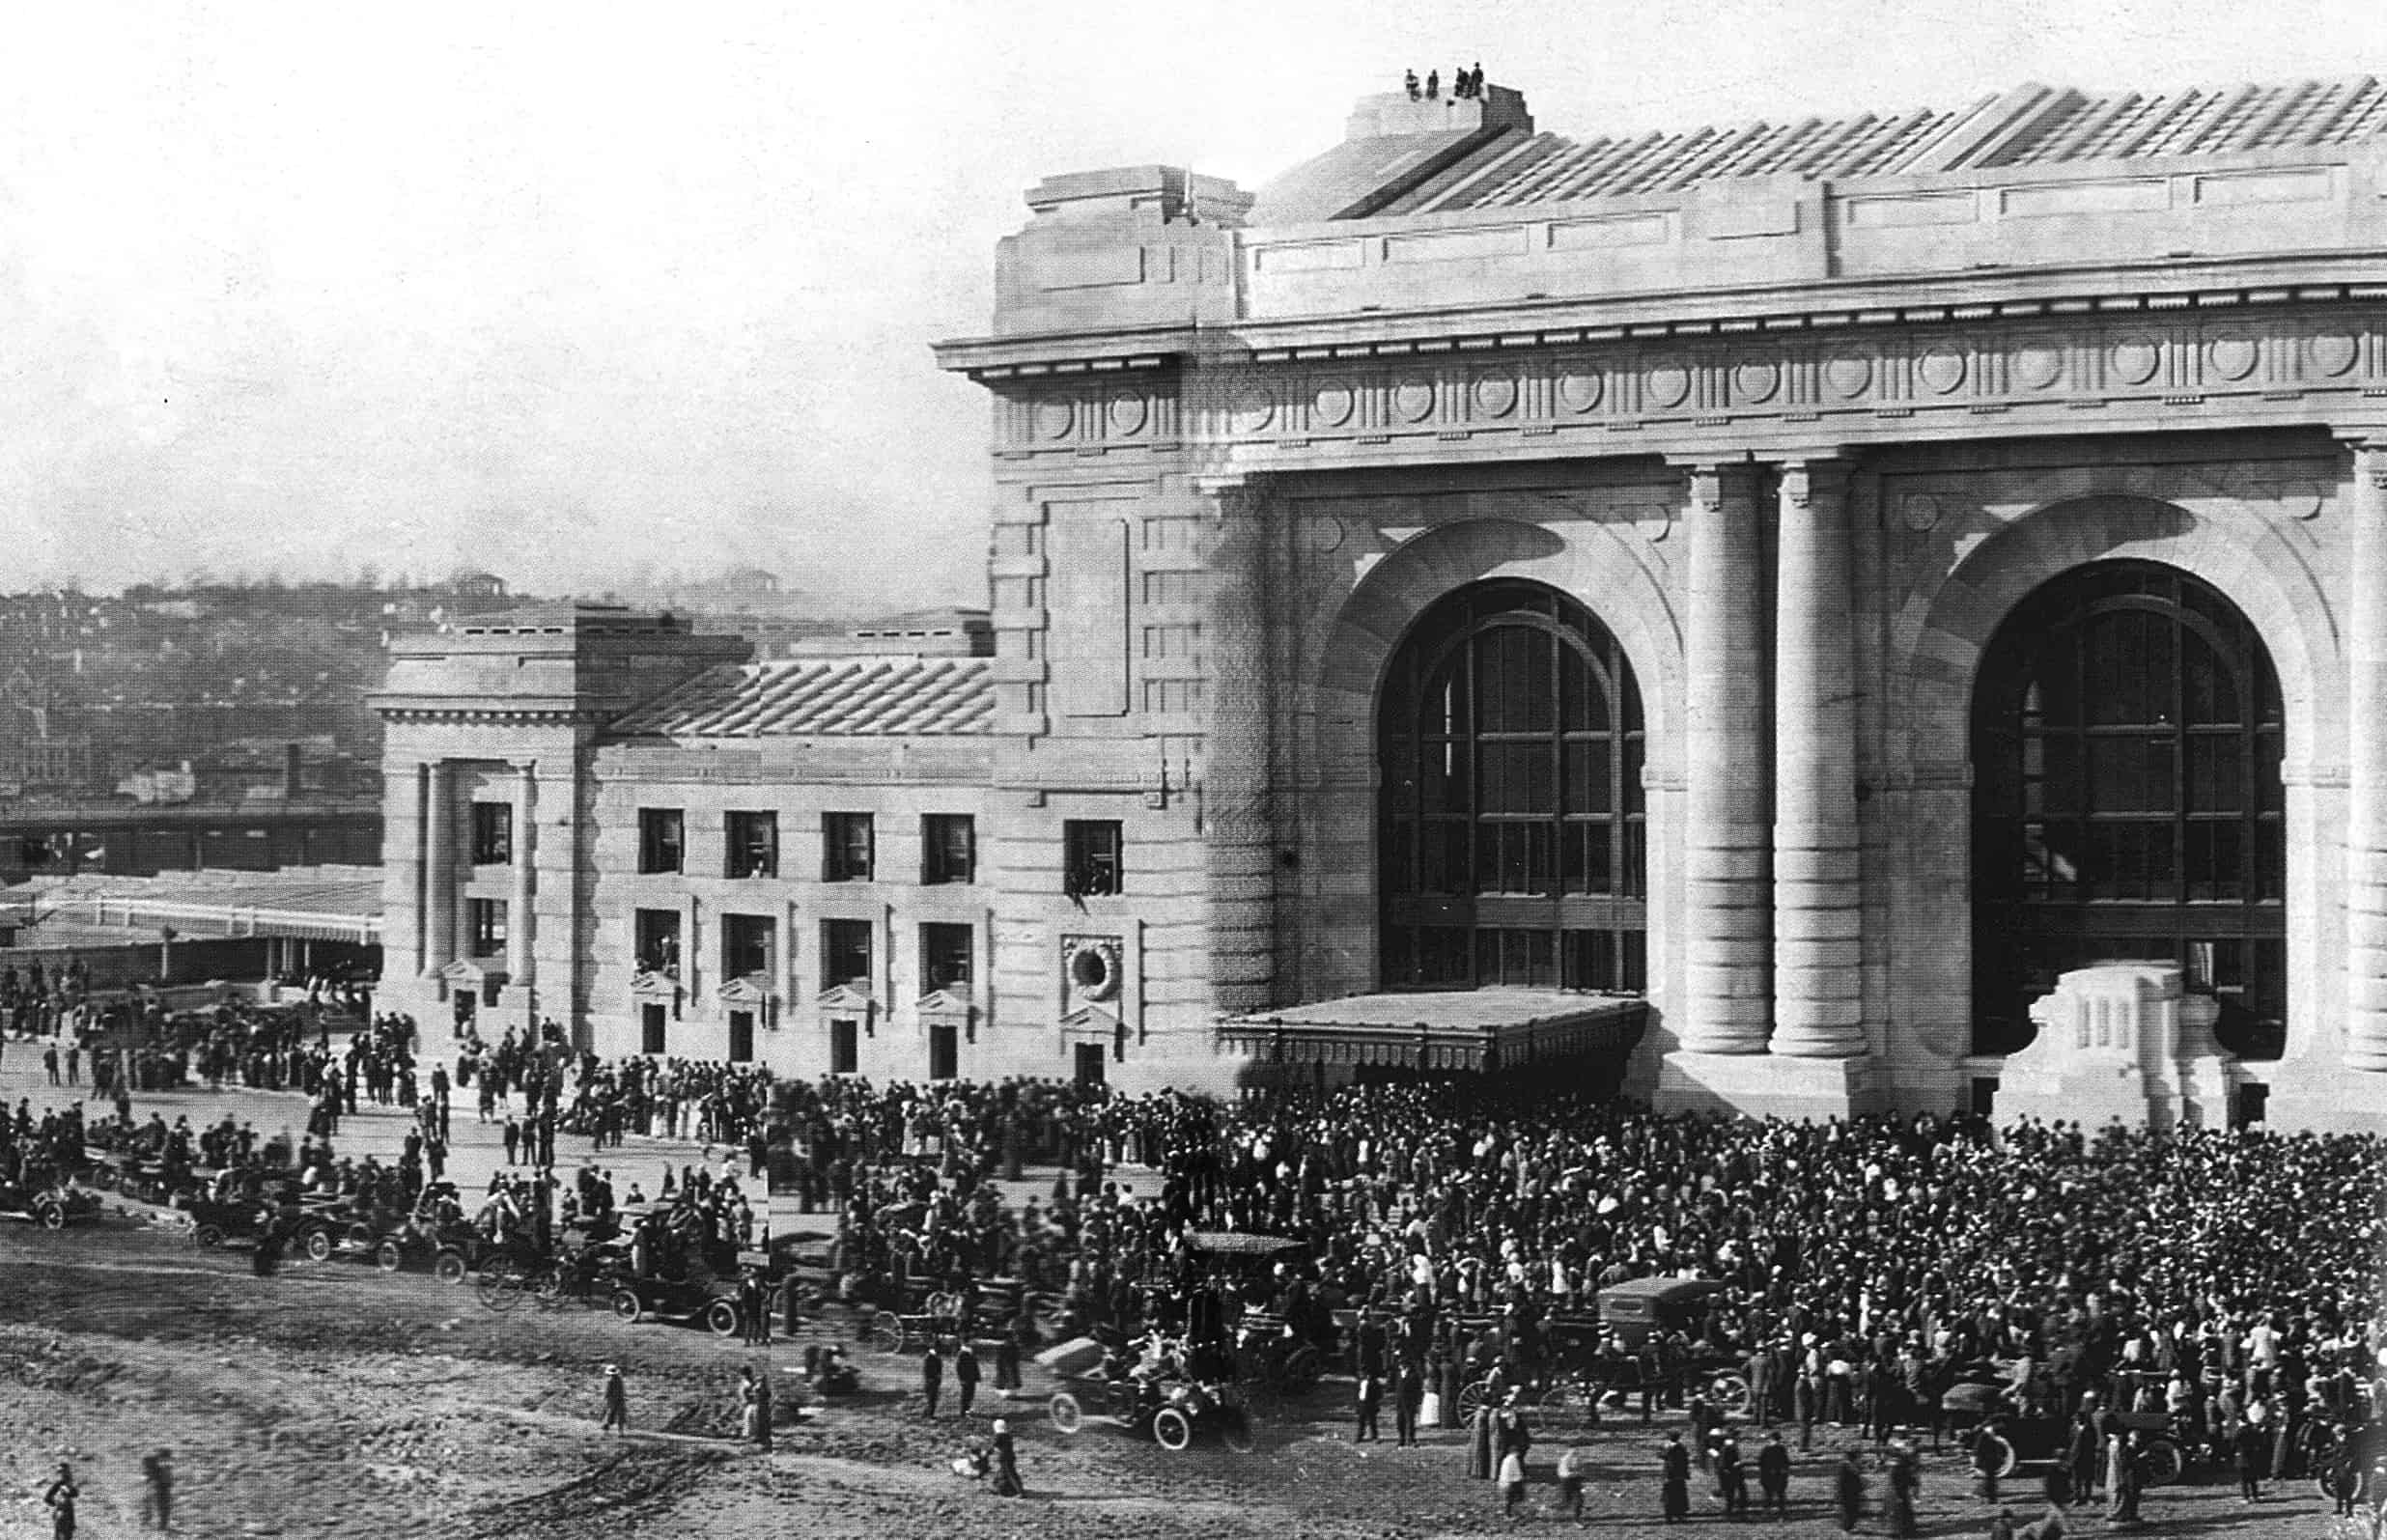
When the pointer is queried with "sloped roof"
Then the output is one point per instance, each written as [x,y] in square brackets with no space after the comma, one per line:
[825,697]
[2029,126]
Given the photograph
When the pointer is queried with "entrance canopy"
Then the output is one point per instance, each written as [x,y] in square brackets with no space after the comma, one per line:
[1475,1031]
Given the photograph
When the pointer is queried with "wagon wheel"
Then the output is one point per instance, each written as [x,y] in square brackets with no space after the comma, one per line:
[722,1317]
[1066,1414]
[1236,1430]
[1471,1398]
[885,1333]
[494,1284]
[1171,1429]
[1730,1391]
[2164,1462]
[1299,1371]
[2012,1460]
[2319,1438]
[319,1245]
[449,1265]
[1562,1406]
[208,1236]
[389,1257]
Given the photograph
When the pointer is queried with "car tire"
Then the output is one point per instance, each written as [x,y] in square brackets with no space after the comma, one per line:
[1066,1414]
[627,1305]
[389,1257]
[1171,1429]
[208,1236]
[319,1245]
[450,1267]
[722,1317]
[50,1217]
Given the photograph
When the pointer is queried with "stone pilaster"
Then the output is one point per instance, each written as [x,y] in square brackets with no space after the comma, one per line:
[1818,921]
[1239,835]
[1728,853]
[519,951]
[2366,737]
[438,866]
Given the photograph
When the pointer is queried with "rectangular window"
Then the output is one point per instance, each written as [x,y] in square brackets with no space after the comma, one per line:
[845,1048]
[944,958]
[845,953]
[747,944]
[948,848]
[487,919]
[660,847]
[658,940]
[492,833]
[1092,855]
[845,846]
[752,845]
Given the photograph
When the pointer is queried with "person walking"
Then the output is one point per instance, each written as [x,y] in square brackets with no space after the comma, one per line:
[1371,1399]
[1570,1482]
[1512,1482]
[2249,1445]
[1007,1350]
[966,1376]
[1774,1476]
[1007,1482]
[158,1481]
[59,1499]
[1899,1489]
[1731,1478]
[931,1378]
[1479,1442]
[617,1402]
[1848,1492]
[1675,1479]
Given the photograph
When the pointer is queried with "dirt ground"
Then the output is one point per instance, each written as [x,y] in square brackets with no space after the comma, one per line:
[332,1401]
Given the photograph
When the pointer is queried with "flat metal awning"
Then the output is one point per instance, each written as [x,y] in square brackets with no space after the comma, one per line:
[1465,1031]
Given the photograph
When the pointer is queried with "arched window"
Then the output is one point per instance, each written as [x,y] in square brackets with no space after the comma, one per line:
[2126,803]
[1511,841]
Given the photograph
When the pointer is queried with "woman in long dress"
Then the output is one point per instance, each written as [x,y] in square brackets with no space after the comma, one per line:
[1480,1444]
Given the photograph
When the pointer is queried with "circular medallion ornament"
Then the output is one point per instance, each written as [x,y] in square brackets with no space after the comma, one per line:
[2233,355]
[2334,352]
[1333,405]
[1128,411]
[1920,512]
[1325,533]
[1054,419]
[1093,964]
[1495,395]
[2038,365]
[1757,382]
[1669,384]
[2136,360]
[1580,390]
[1848,377]
[1413,400]
[1253,410]
[1940,370]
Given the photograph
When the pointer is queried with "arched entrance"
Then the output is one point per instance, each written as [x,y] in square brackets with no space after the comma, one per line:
[2126,739]
[1511,830]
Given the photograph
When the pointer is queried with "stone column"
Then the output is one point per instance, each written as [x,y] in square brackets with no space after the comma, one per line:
[2366,737]
[438,867]
[1239,835]
[1818,983]
[518,907]
[1727,904]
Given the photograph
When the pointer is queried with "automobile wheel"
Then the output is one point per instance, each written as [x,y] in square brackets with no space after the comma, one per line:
[389,1257]
[2163,1462]
[319,1246]
[207,1235]
[1171,1429]
[722,1317]
[50,1217]
[449,1267]
[627,1305]
[1730,1392]
[1066,1413]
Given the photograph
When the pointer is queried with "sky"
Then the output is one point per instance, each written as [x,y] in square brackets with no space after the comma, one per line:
[594,295]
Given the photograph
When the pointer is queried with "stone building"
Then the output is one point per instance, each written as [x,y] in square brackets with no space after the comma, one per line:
[1816,616]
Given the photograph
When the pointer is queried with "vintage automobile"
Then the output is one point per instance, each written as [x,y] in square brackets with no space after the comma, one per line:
[2041,1440]
[1170,1410]
[52,1207]
[694,1298]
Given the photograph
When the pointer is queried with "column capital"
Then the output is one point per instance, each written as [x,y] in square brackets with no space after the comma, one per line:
[1804,479]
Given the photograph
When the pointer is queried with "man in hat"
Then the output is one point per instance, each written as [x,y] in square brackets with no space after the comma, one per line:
[1006,1463]
[617,1402]
[1774,1476]
[1675,1479]
[931,1378]
[965,1375]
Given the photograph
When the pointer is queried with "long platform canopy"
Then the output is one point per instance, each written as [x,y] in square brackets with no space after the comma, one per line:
[296,902]
[1465,1031]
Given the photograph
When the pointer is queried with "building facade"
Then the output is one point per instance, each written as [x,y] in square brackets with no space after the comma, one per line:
[1798,610]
